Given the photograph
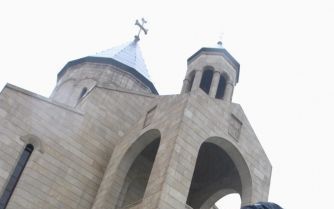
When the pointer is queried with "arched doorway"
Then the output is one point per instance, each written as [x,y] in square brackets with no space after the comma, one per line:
[220,170]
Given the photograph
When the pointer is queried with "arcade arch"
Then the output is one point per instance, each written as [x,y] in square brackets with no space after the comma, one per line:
[220,170]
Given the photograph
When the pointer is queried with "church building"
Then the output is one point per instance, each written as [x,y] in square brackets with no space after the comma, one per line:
[105,138]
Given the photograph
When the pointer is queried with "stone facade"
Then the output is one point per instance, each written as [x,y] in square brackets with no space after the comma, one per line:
[105,140]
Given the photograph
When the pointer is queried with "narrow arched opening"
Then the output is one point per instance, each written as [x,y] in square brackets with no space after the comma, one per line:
[137,176]
[206,80]
[16,174]
[221,87]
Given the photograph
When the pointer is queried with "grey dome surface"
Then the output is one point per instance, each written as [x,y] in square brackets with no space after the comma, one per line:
[127,57]
[263,205]
[128,54]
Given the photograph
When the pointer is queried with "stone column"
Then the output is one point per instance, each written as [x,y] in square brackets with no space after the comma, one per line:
[171,175]
[197,79]
[214,84]
[228,91]
[185,86]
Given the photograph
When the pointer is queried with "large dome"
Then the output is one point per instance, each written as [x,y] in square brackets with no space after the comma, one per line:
[127,57]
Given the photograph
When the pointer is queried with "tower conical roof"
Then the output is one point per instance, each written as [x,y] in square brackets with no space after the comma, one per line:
[128,54]
[218,49]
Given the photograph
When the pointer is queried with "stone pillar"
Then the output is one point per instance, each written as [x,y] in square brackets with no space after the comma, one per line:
[171,175]
[228,91]
[197,79]
[157,180]
[214,84]
[186,83]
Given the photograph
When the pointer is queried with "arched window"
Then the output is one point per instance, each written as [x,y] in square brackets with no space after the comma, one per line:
[221,87]
[83,92]
[14,178]
[206,80]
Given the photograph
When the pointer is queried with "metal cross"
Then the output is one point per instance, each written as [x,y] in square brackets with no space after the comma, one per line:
[141,28]
[220,42]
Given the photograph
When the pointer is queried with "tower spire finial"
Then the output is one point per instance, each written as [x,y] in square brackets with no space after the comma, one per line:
[141,28]
[220,42]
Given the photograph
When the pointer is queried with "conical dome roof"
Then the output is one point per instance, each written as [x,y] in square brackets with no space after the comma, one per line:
[128,54]
[127,57]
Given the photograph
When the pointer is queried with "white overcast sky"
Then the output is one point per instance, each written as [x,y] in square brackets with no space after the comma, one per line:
[285,49]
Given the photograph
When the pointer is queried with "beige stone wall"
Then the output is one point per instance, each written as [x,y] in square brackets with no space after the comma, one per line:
[166,120]
[205,118]
[76,144]
[115,110]
[216,115]
[85,147]
[185,122]
[63,173]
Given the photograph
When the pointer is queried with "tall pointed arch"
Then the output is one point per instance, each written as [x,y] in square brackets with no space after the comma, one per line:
[220,170]
[135,167]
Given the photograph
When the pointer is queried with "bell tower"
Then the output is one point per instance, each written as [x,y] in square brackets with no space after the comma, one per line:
[214,71]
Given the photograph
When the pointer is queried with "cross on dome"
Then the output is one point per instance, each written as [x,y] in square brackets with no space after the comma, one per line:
[141,28]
